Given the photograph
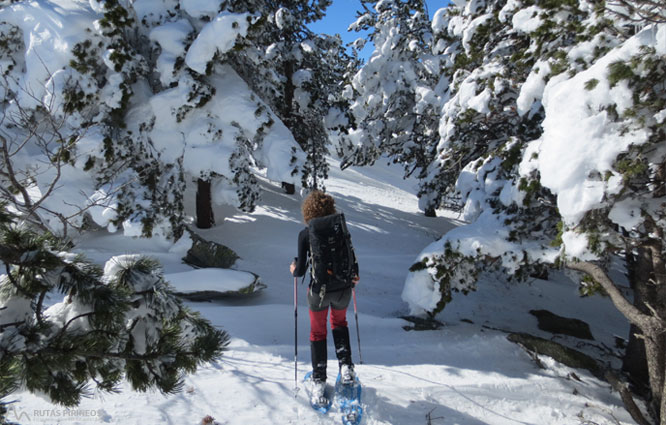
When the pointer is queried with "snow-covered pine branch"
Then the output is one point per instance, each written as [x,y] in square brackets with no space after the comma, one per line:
[120,323]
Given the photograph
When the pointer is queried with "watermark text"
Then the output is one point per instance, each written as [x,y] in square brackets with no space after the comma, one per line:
[60,415]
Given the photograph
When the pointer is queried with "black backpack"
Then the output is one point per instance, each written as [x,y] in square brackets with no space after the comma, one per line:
[331,254]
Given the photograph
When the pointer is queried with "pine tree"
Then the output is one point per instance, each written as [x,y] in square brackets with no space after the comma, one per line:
[506,59]
[396,95]
[76,119]
[150,189]
[298,73]
[119,323]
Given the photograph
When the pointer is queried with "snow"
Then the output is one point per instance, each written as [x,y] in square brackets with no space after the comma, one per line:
[626,213]
[232,115]
[211,279]
[466,372]
[470,29]
[527,20]
[533,87]
[577,246]
[218,36]
[661,40]
[68,311]
[421,292]
[508,9]
[439,20]
[152,11]
[119,263]
[50,29]
[582,174]
[199,8]
[171,37]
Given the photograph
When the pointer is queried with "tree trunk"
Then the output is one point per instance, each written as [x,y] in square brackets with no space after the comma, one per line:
[289,188]
[634,362]
[205,217]
[655,347]
[663,404]
[652,326]
[288,107]
[289,118]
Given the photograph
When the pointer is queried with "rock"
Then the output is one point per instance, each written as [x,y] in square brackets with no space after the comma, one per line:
[553,323]
[565,355]
[214,283]
[205,253]
[421,323]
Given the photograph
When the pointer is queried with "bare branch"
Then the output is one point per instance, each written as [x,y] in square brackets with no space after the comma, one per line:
[44,129]
[62,331]
[12,173]
[635,316]
[627,398]
[648,11]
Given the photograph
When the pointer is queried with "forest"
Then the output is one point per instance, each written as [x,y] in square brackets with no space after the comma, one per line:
[541,122]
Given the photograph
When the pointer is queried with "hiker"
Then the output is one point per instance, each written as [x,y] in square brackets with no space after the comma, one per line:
[316,205]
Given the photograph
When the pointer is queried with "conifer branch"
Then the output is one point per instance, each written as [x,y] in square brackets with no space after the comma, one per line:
[14,283]
[38,310]
[652,11]
[70,321]
[9,325]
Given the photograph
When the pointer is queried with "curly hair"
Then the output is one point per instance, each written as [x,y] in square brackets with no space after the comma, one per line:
[317,204]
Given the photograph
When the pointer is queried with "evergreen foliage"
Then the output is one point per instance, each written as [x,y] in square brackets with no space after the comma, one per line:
[136,56]
[122,322]
[501,57]
[397,94]
[298,73]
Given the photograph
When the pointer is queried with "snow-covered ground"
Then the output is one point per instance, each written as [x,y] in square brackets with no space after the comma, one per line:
[466,373]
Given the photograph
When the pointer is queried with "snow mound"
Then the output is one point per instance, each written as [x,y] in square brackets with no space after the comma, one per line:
[212,283]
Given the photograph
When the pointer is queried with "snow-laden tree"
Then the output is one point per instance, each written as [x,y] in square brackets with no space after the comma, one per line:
[42,123]
[396,95]
[205,114]
[68,82]
[140,94]
[553,138]
[119,323]
[298,73]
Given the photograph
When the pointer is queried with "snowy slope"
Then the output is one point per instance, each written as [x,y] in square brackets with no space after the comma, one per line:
[465,373]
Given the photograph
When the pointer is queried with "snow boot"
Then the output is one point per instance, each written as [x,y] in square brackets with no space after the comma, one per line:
[347,374]
[318,394]
[319,359]
[343,352]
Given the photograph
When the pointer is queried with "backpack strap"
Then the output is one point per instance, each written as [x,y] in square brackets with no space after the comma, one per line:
[351,252]
[322,286]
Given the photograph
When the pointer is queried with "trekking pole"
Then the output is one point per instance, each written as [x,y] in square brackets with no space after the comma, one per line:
[295,337]
[358,335]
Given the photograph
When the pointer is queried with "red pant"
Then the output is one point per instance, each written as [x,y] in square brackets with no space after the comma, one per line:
[318,322]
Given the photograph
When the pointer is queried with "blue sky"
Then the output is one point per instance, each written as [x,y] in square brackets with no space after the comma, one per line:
[343,12]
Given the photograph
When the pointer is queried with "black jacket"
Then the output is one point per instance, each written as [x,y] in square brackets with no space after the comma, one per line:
[303,251]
